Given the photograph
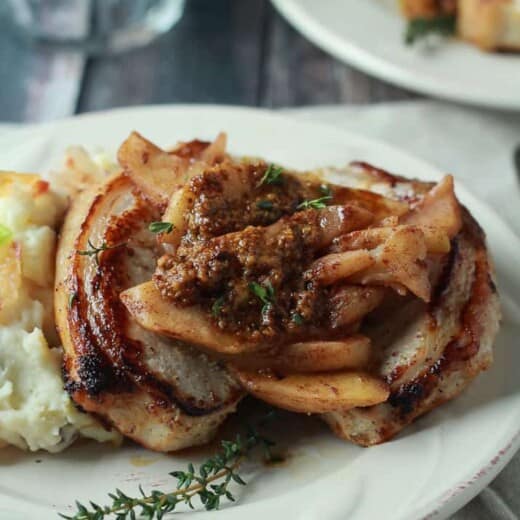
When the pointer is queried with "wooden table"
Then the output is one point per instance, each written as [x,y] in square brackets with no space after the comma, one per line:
[239,52]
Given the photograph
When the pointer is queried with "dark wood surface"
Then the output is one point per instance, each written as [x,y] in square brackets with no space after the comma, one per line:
[222,51]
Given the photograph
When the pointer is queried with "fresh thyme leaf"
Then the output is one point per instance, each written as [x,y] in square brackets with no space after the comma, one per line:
[315,204]
[265,293]
[264,204]
[259,291]
[298,319]
[271,175]
[211,483]
[161,227]
[217,306]
[96,250]
[73,296]
[421,27]
[5,235]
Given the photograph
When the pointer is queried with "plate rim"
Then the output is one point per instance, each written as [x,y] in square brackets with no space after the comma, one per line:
[470,485]
[349,53]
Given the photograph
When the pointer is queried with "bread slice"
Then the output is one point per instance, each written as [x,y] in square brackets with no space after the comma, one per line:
[490,24]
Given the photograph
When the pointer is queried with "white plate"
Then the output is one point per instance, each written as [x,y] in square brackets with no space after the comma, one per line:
[430,470]
[368,34]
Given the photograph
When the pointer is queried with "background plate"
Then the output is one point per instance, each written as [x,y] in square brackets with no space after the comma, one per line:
[430,470]
[368,34]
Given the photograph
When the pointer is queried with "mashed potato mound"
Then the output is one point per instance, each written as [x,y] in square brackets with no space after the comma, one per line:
[35,411]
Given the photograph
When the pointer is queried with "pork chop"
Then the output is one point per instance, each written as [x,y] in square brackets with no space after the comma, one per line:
[429,352]
[405,268]
[162,393]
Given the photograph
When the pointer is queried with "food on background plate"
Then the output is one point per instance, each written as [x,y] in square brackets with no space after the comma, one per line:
[492,25]
[191,278]
[35,411]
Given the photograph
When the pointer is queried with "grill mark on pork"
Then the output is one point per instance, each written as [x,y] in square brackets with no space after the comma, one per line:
[467,343]
[96,370]
[96,373]
[410,394]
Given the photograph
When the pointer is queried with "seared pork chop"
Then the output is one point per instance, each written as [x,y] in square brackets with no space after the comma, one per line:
[162,393]
[272,273]
[429,352]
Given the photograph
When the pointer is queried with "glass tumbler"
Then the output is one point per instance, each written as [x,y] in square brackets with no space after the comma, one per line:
[95,26]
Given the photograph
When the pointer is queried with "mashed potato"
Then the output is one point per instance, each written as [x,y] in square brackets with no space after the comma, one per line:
[35,411]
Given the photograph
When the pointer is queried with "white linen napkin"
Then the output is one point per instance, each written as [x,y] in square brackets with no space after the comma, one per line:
[477,147]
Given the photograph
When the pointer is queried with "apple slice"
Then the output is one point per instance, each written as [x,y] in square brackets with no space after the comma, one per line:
[315,393]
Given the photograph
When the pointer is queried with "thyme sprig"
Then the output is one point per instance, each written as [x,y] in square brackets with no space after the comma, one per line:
[422,27]
[160,228]
[95,251]
[320,202]
[192,483]
[315,203]
[265,293]
[272,175]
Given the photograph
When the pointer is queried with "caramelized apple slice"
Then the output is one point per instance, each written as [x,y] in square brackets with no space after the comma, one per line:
[312,356]
[157,173]
[436,239]
[400,260]
[350,303]
[315,393]
[381,207]
[189,324]
[176,214]
[216,151]
[338,266]
[388,256]
[439,208]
